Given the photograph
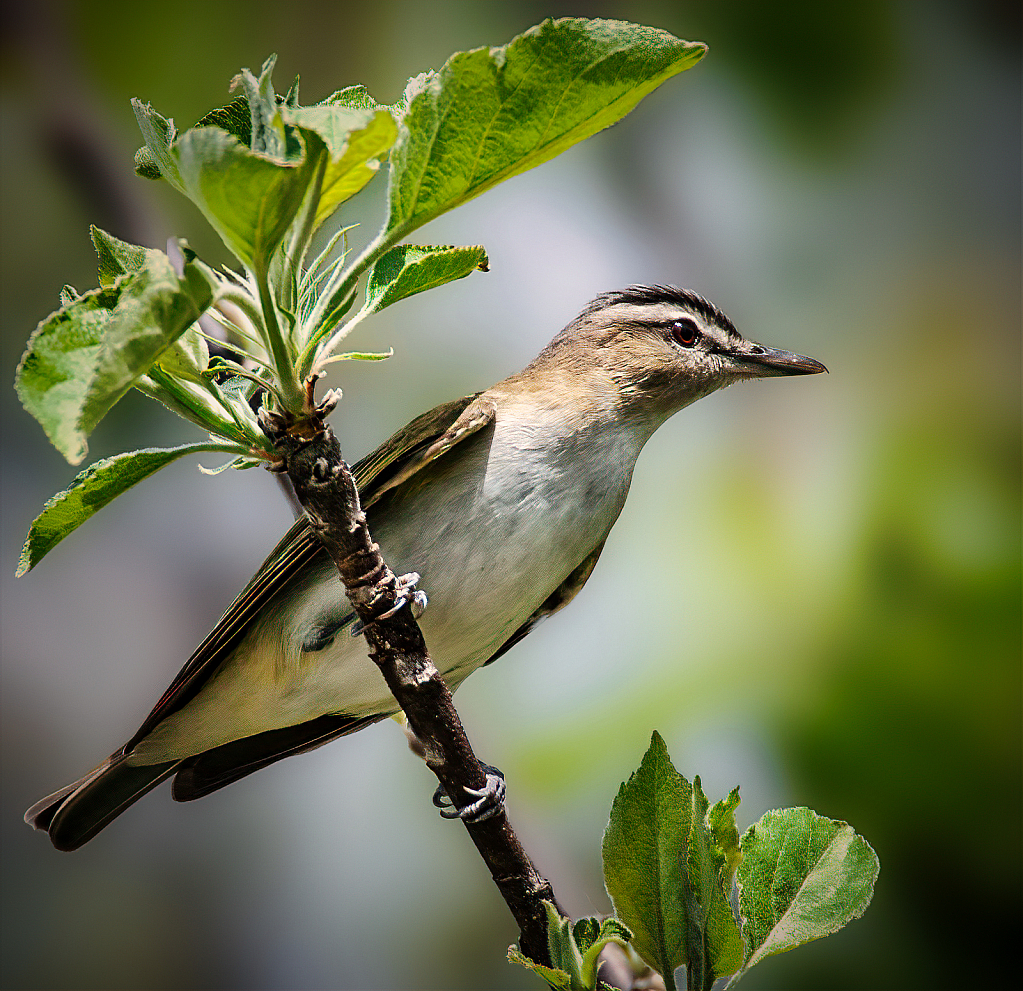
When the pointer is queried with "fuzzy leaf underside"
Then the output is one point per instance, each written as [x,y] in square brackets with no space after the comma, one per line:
[89,492]
[802,876]
[491,114]
[355,140]
[248,198]
[84,357]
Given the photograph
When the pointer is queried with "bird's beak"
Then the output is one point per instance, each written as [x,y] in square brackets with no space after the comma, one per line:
[760,362]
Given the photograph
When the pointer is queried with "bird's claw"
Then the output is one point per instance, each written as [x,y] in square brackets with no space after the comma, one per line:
[489,800]
[404,584]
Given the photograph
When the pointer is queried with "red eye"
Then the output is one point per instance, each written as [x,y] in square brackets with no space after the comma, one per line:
[684,332]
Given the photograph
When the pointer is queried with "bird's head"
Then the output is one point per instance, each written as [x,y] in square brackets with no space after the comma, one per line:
[665,348]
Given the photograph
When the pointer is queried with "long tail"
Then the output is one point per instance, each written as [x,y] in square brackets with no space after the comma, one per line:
[76,813]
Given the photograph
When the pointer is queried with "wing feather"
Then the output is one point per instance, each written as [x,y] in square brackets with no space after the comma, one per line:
[427,437]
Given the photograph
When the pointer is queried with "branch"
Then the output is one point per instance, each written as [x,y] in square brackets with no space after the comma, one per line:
[311,455]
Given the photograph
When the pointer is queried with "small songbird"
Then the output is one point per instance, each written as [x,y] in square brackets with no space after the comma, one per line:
[513,490]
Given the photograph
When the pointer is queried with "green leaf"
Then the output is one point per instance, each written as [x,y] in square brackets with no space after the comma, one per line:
[490,114]
[644,851]
[408,269]
[249,199]
[83,358]
[355,140]
[802,877]
[188,357]
[666,856]
[564,952]
[574,949]
[608,931]
[90,491]
[235,118]
[267,135]
[145,164]
[727,856]
[117,257]
[555,978]
[364,355]
[249,191]
[713,943]
[158,133]
[356,97]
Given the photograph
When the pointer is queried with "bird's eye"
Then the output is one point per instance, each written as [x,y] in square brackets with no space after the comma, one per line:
[684,332]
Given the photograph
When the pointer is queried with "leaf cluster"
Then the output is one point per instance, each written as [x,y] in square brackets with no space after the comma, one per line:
[268,173]
[670,863]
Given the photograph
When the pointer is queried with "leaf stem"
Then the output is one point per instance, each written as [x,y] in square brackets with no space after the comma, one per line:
[181,399]
[349,281]
[291,394]
[300,242]
[236,369]
[247,305]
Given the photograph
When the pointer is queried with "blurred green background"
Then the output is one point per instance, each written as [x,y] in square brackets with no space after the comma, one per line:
[813,592]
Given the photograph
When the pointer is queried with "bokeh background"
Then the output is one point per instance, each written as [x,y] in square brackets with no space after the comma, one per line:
[814,591]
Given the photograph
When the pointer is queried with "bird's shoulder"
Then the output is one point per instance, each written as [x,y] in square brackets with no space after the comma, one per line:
[419,442]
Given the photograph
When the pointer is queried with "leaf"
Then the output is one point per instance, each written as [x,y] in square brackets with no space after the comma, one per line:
[267,135]
[608,931]
[233,118]
[574,949]
[490,114]
[355,140]
[249,199]
[727,856]
[83,358]
[408,269]
[802,877]
[644,850]
[713,943]
[188,357]
[357,97]
[665,856]
[116,257]
[249,192]
[90,491]
[555,978]
[158,133]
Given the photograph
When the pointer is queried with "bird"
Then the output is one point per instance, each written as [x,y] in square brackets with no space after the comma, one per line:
[514,489]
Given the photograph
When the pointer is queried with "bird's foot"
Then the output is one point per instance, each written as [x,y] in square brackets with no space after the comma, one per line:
[404,584]
[488,800]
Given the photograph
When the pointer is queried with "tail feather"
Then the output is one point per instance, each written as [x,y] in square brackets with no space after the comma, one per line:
[76,813]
